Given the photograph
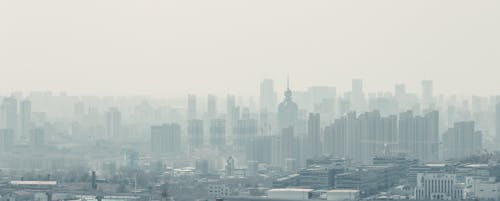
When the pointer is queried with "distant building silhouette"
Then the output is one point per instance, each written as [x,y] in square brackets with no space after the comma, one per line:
[113,123]
[217,132]
[166,139]
[191,107]
[195,133]
[287,110]
[267,95]
[462,141]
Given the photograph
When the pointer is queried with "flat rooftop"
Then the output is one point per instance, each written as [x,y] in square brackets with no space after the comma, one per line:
[291,190]
[41,183]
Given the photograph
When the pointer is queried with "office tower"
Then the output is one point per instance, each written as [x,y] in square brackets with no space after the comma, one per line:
[353,135]
[335,138]
[244,130]
[399,91]
[357,95]
[287,111]
[8,114]
[24,118]
[230,166]
[232,116]
[419,135]
[267,95]
[497,122]
[427,93]
[343,106]
[322,99]
[195,133]
[231,104]
[113,123]
[6,140]
[191,107]
[211,106]
[218,132]
[37,138]
[313,132]
[265,123]
[285,146]
[462,141]
[438,186]
[378,135]
[259,149]
[166,139]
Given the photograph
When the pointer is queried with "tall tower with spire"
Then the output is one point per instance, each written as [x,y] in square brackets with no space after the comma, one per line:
[287,110]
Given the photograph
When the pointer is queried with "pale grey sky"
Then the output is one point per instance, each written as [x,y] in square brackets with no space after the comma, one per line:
[201,46]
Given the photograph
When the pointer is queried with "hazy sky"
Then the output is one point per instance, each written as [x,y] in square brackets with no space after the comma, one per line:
[175,47]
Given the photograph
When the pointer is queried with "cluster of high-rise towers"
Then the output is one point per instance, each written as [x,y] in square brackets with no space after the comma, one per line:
[317,122]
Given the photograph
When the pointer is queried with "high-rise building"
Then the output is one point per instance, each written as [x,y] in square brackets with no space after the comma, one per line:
[37,138]
[419,136]
[191,107]
[378,135]
[113,123]
[218,132]
[24,118]
[267,95]
[166,139]
[211,106]
[8,114]
[399,91]
[259,149]
[285,146]
[497,122]
[319,95]
[462,141]
[287,111]
[244,130]
[6,140]
[314,135]
[427,93]
[230,166]
[195,133]
[358,102]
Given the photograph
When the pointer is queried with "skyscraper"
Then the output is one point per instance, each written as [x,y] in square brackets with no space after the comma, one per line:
[357,95]
[462,141]
[211,106]
[195,133]
[6,140]
[399,91]
[25,118]
[267,95]
[165,139]
[287,110]
[497,122]
[244,131]
[419,135]
[8,112]
[218,132]
[427,93]
[113,123]
[191,107]
[37,138]
[314,135]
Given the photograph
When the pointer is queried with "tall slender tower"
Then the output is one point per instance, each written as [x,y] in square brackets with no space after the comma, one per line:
[287,110]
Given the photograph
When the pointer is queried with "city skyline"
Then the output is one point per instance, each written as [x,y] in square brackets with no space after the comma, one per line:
[249,100]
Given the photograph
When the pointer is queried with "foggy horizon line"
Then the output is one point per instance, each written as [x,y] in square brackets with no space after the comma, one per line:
[278,89]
